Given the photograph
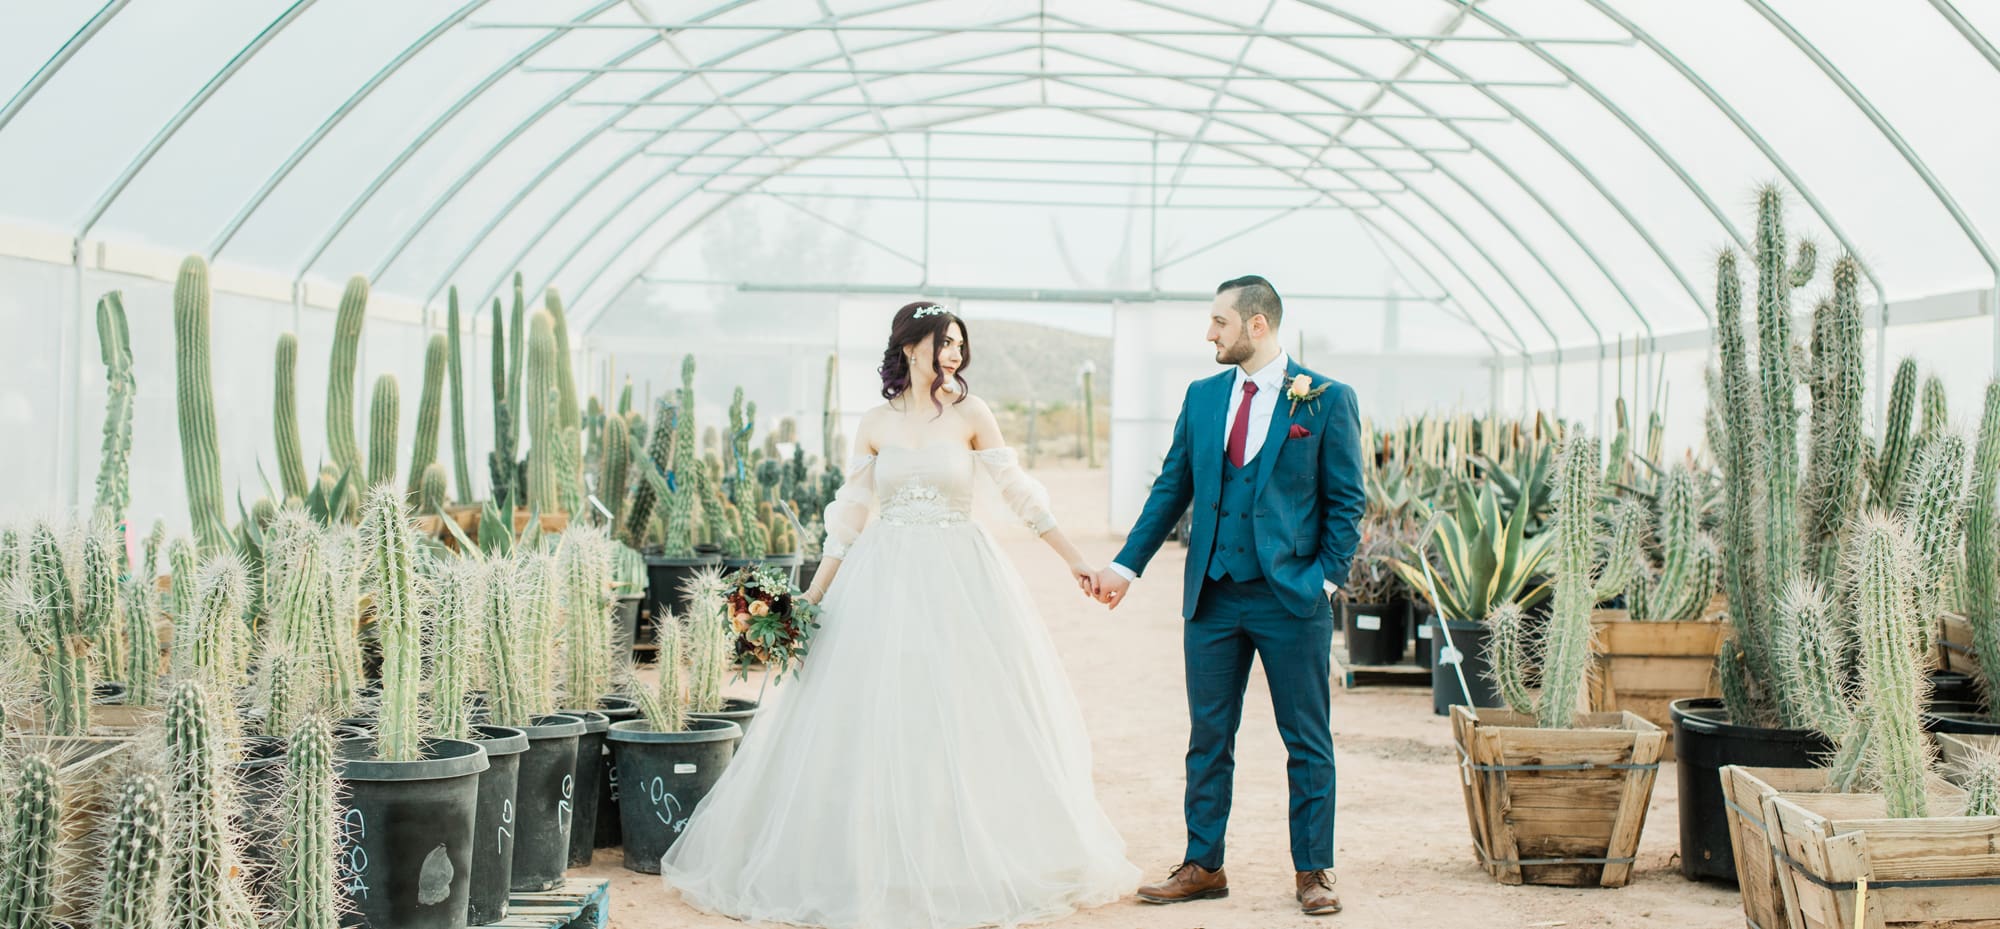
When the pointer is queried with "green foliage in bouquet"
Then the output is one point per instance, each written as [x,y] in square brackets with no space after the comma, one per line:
[770,615]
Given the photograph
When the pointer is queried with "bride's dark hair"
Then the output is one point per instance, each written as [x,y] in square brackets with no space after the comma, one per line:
[908,328]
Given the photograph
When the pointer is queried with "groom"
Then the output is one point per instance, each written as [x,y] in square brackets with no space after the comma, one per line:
[1269,454]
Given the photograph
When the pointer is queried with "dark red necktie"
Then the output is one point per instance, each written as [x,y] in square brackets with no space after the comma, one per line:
[1239,432]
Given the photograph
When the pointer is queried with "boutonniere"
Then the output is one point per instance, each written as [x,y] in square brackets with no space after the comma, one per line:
[1303,391]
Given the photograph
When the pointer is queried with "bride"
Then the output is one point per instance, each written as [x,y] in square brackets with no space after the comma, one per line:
[929,769]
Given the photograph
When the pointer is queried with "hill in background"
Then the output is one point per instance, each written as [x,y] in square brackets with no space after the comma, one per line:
[1015,362]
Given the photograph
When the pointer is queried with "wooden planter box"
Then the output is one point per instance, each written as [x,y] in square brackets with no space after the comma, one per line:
[1744,791]
[1847,865]
[468,518]
[1641,667]
[1561,807]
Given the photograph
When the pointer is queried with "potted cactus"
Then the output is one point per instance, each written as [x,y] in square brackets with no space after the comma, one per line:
[662,520]
[1543,747]
[1372,619]
[62,593]
[417,868]
[523,634]
[666,761]
[585,559]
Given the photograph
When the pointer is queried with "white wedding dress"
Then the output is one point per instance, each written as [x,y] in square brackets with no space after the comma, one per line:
[929,768]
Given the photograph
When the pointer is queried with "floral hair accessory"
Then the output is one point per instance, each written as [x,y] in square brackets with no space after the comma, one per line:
[931,310]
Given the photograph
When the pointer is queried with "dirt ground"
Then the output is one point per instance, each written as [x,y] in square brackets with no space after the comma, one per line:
[1404,851]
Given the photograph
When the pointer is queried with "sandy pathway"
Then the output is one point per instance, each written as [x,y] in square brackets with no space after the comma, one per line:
[1405,856]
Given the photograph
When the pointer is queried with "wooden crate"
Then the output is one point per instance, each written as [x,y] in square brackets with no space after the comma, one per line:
[1743,791]
[577,903]
[1941,872]
[1955,651]
[1641,667]
[1556,806]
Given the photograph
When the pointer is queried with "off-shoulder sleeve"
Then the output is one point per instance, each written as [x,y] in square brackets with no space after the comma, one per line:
[847,512]
[1024,495]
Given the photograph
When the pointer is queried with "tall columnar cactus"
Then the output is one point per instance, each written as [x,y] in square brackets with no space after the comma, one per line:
[1812,642]
[285,412]
[433,489]
[541,628]
[114,469]
[736,447]
[1982,785]
[1566,642]
[657,483]
[505,653]
[201,453]
[142,645]
[207,633]
[461,461]
[1934,507]
[64,591]
[501,463]
[711,641]
[1838,442]
[33,833]
[395,587]
[305,878]
[132,894]
[1742,457]
[615,468]
[1893,685]
[1982,549]
[1898,446]
[385,416]
[665,705]
[1686,580]
[430,409]
[1937,416]
[544,420]
[207,889]
[457,646]
[344,564]
[1780,386]
[341,444]
[569,484]
[585,563]
[687,486]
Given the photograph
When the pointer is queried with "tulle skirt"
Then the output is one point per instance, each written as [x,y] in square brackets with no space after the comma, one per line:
[929,769]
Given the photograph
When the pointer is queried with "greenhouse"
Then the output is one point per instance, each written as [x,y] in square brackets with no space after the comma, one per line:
[470,454]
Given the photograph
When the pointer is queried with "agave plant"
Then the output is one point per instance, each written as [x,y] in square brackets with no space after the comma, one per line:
[1483,559]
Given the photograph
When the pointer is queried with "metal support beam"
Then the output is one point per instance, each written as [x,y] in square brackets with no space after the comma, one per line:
[930,74]
[932,29]
[1300,147]
[1004,160]
[1009,294]
[1215,100]
[77,40]
[863,108]
[1992,56]
[1050,181]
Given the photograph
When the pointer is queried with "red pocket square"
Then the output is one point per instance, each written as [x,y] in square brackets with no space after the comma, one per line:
[1300,432]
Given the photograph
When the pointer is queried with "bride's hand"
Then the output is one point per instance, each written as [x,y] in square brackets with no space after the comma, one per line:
[1085,577]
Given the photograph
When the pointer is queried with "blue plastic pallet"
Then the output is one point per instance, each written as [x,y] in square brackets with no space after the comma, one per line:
[578,903]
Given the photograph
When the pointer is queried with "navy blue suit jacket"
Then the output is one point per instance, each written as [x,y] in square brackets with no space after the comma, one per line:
[1309,491]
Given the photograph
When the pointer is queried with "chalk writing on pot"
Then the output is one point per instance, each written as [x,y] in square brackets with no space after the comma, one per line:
[353,858]
[666,806]
[563,811]
[506,834]
[613,781]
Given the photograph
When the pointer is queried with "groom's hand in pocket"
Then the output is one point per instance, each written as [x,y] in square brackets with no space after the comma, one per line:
[1111,587]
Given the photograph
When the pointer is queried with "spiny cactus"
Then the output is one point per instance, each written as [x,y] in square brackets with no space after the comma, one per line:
[1898,446]
[432,489]
[1566,641]
[305,878]
[680,443]
[457,645]
[1934,507]
[1742,457]
[501,462]
[657,483]
[455,369]
[615,464]
[341,444]
[710,641]
[541,628]
[1937,418]
[207,888]
[585,563]
[829,417]
[1982,549]
[142,645]
[285,406]
[132,894]
[1780,386]
[506,670]
[1893,686]
[1833,471]
[33,833]
[1620,569]
[345,563]
[1686,580]
[201,454]
[664,705]
[1982,785]
[114,469]
[1510,657]
[544,418]
[206,632]
[1812,642]
[736,449]
[565,377]
[64,591]
[430,408]
[385,415]
[395,587]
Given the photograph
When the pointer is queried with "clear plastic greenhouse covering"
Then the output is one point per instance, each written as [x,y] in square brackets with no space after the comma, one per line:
[1514,202]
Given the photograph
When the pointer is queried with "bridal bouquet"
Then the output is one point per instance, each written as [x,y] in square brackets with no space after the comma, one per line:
[775,622]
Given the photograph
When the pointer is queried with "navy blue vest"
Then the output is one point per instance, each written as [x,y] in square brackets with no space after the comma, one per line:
[1235,552]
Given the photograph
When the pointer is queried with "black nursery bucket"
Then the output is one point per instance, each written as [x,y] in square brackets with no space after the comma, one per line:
[740,712]
[406,835]
[1704,742]
[493,830]
[1374,632]
[545,802]
[661,777]
[618,709]
[589,773]
[1464,650]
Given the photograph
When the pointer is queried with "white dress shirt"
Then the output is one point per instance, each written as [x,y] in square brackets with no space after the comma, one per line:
[1270,386]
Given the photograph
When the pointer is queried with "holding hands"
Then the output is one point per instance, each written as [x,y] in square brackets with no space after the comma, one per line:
[1101,584]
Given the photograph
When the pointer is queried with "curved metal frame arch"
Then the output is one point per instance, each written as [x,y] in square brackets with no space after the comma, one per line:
[70,47]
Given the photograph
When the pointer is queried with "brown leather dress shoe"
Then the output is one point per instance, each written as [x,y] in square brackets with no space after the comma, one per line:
[1316,894]
[1189,881]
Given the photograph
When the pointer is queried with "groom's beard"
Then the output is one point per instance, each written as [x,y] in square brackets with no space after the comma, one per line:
[1235,353]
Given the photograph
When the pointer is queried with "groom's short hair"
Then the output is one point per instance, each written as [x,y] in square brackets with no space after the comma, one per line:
[1255,296]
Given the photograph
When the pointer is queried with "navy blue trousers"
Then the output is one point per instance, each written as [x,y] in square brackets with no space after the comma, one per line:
[1232,622]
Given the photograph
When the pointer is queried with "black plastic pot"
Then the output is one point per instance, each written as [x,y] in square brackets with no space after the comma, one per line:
[665,578]
[625,623]
[589,778]
[662,776]
[740,712]
[1422,635]
[109,693]
[1962,717]
[1374,632]
[406,835]
[493,830]
[618,709]
[1704,742]
[1953,687]
[545,802]
[1468,644]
